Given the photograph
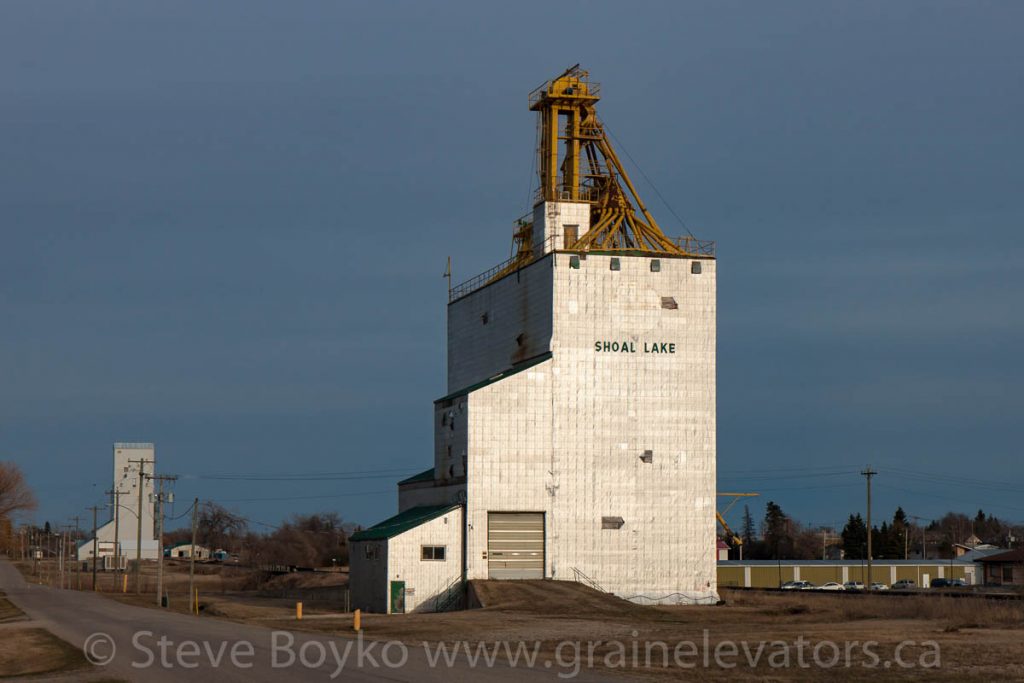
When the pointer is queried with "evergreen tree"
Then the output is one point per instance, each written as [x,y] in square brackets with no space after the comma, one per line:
[776,531]
[886,544]
[989,528]
[747,532]
[855,538]
[900,528]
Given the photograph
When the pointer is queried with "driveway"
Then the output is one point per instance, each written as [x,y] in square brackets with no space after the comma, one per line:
[140,644]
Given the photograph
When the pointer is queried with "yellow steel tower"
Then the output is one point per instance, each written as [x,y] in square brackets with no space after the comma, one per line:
[577,164]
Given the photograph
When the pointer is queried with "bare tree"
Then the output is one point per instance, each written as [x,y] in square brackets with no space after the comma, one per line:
[218,527]
[15,495]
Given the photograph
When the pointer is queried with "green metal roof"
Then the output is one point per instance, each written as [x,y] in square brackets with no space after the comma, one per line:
[426,475]
[518,367]
[401,522]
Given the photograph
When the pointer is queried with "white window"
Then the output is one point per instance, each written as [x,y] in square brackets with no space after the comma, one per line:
[432,552]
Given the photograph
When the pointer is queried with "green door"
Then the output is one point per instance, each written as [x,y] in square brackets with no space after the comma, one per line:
[398,597]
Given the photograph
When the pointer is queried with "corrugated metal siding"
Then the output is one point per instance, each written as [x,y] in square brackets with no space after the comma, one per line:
[859,572]
[908,572]
[820,575]
[515,545]
[730,576]
[768,576]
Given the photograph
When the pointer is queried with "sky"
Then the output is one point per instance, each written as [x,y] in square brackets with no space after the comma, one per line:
[223,228]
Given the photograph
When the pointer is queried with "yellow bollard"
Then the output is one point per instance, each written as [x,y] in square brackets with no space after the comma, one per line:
[196,603]
[356,619]
[124,588]
[298,611]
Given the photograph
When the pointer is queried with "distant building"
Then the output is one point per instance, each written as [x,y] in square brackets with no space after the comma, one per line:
[184,551]
[1004,569]
[723,550]
[127,509]
[773,573]
[972,543]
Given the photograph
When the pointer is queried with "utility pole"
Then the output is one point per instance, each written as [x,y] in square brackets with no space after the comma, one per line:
[160,499]
[60,558]
[141,462]
[65,569]
[868,473]
[95,509]
[78,566]
[924,536]
[192,560]
[116,493]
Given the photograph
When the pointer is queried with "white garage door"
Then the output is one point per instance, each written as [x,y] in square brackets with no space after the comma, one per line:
[515,545]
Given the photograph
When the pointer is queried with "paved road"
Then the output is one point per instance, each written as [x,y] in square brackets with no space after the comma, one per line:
[201,648]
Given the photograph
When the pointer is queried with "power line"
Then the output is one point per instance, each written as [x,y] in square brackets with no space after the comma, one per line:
[963,501]
[817,468]
[808,488]
[324,497]
[303,476]
[956,480]
[172,519]
[766,477]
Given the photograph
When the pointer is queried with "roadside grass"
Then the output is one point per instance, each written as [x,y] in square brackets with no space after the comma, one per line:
[8,612]
[953,613]
[31,651]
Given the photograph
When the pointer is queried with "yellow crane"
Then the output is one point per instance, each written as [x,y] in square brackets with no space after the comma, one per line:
[577,164]
[736,540]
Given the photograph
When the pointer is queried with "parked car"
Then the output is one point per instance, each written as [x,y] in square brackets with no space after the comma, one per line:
[904,584]
[879,586]
[788,586]
[830,586]
[853,586]
[941,583]
[957,583]
[797,586]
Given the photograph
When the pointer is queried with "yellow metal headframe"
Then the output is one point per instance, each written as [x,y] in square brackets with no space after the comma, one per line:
[577,164]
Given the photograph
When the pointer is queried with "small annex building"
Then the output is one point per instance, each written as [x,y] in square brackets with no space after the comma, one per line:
[411,562]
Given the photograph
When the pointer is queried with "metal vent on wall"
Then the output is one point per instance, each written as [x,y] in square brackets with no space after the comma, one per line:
[695,267]
[612,522]
[615,264]
[655,266]
[669,303]
[648,456]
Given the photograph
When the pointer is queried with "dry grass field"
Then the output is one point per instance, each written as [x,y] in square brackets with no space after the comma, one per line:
[967,639]
[758,635]
[34,651]
[8,612]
